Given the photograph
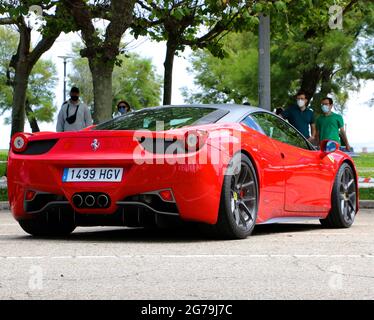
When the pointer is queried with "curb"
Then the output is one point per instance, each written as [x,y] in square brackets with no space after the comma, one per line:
[364,204]
[4,205]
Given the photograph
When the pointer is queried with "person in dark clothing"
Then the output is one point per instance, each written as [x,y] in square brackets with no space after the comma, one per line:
[74,115]
[301,117]
[278,111]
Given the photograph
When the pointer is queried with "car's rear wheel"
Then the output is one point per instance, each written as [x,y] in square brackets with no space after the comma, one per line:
[239,199]
[343,199]
[46,225]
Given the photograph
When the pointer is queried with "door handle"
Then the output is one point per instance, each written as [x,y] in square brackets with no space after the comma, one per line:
[282,155]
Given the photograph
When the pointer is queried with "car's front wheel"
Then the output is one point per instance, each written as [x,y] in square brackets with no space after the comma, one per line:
[343,199]
[239,199]
[48,225]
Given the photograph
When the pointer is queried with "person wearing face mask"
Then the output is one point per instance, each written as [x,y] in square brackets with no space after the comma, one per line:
[74,114]
[123,107]
[301,117]
[330,125]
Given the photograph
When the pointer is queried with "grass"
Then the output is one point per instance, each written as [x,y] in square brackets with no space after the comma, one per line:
[364,160]
[365,165]
[366,193]
[3,155]
[3,195]
[2,169]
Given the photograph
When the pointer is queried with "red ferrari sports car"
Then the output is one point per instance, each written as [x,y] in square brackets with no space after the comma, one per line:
[228,166]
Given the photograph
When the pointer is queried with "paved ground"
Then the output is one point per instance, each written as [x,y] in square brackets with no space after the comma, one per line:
[292,261]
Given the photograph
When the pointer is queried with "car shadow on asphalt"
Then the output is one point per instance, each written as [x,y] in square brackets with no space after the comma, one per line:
[181,235]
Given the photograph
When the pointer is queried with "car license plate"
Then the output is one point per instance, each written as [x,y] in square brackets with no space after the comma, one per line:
[92,175]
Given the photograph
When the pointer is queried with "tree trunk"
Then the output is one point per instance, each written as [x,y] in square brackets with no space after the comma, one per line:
[22,70]
[102,90]
[101,53]
[31,117]
[23,62]
[325,81]
[309,81]
[19,99]
[168,71]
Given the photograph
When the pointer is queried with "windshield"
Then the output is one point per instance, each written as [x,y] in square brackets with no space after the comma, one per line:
[165,118]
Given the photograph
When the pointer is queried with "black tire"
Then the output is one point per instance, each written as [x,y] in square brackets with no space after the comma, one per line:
[343,199]
[239,200]
[48,225]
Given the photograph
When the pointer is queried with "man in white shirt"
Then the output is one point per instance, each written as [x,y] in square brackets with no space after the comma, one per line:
[74,114]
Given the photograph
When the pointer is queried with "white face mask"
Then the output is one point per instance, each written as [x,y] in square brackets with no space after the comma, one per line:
[325,108]
[300,103]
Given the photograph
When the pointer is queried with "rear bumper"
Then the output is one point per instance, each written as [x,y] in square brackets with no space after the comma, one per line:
[196,187]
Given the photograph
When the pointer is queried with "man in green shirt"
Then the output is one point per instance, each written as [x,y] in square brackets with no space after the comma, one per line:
[330,125]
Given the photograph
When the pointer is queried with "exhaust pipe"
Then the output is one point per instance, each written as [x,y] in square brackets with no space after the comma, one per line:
[77,200]
[102,200]
[89,201]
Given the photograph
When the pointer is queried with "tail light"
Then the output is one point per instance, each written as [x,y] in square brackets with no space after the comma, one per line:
[19,142]
[30,195]
[166,195]
[195,139]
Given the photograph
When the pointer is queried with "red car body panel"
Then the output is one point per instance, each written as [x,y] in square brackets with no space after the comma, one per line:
[292,182]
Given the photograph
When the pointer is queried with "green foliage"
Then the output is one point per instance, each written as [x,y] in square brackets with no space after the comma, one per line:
[40,93]
[134,80]
[300,43]
[197,23]
[42,80]
[8,47]
[233,79]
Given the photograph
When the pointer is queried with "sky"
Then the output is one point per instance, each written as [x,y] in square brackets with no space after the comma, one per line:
[359,116]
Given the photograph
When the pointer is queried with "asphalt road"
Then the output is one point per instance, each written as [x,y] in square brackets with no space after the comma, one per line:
[289,261]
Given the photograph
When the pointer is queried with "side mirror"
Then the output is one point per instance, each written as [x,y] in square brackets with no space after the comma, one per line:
[328,146]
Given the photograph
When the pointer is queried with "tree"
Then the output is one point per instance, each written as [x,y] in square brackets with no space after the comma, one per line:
[318,60]
[325,58]
[232,79]
[41,82]
[194,23]
[134,80]
[40,94]
[13,13]
[8,46]
[101,50]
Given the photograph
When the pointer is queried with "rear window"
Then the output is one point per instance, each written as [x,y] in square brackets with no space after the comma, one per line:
[168,118]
